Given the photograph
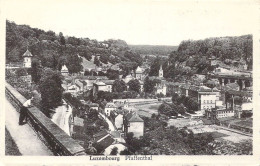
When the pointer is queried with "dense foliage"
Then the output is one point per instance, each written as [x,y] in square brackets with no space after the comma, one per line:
[153,49]
[55,50]
[193,57]
[50,89]
[161,140]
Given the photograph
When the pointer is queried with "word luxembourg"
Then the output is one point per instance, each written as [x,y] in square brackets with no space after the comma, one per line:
[127,157]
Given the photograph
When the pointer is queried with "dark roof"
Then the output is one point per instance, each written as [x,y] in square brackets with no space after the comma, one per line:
[239,93]
[108,82]
[101,133]
[133,117]
[105,142]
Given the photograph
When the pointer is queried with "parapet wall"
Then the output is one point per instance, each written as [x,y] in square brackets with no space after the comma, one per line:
[53,137]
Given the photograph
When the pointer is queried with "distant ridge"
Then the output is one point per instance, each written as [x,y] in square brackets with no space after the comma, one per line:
[153,49]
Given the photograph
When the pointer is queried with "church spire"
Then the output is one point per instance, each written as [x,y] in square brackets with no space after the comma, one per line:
[161,72]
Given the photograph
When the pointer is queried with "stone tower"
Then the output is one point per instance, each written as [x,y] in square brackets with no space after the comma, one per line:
[27,59]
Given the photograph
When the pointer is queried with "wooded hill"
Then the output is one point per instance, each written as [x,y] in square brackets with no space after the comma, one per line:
[153,49]
[193,57]
[54,50]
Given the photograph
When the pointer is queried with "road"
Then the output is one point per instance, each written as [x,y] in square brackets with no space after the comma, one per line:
[24,136]
[61,117]
[110,124]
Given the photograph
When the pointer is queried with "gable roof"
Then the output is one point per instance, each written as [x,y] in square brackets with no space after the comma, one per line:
[231,86]
[133,117]
[110,105]
[27,54]
[105,142]
[139,70]
[108,82]
[100,83]
[64,68]
[100,134]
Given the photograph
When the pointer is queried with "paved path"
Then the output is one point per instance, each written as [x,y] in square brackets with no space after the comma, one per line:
[26,139]
[110,124]
[61,117]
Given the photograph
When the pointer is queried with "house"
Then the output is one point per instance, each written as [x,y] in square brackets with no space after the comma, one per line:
[217,113]
[73,88]
[232,86]
[94,106]
[99,86]
[119,122]
[109,84]
[81,84]
[207,98]
[160,88]
[105,141]
[133,123]
[64,70]
[27,59]
[128,78]
[109,107]
[104,85]
[139,73]
[89,80]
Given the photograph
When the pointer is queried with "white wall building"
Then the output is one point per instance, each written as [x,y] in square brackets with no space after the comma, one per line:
[27,59]
[109,107]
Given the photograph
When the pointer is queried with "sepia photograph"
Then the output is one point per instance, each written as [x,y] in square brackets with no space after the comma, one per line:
[136,79]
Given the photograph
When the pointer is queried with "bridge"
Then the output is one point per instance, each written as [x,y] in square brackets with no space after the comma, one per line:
[44,136]
[243,81]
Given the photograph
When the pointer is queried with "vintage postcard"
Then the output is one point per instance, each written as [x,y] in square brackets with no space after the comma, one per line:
[130,81]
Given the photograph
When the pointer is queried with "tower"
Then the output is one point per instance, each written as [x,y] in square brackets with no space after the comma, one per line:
[161,72]
[27,59]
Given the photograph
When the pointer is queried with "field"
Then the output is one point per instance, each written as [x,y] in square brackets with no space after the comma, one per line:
[88,64]
[148,109]
[227,135]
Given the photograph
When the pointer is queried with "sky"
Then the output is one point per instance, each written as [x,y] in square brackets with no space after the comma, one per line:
[145,22]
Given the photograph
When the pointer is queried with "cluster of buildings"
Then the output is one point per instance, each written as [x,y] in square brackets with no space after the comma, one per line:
[101,83]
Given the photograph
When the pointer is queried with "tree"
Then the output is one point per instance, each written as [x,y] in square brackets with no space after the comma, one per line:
[87,73]
[174,97]
[154,69]
[112,74]
[21,72]
[74,63]
[62,39]
[148,85]
[114,151]
[50,89]
[119,86]
[134,85]
[96,61]
[36,70]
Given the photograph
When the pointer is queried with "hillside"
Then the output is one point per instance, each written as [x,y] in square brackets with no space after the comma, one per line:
[54,50]
[153,49]
[195,56]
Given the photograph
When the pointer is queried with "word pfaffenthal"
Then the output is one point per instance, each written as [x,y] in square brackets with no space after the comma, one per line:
[135,157]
